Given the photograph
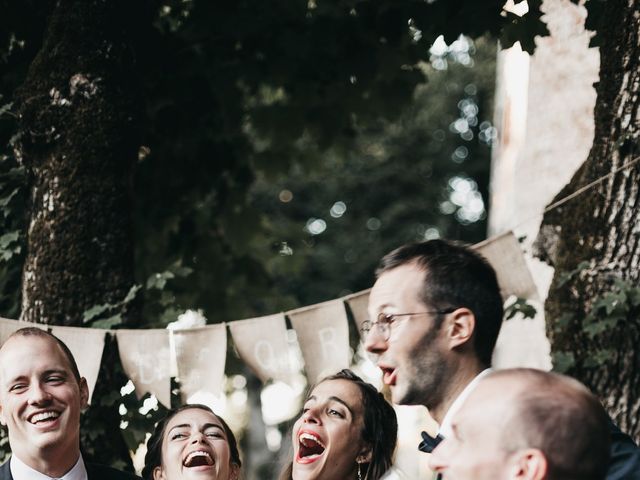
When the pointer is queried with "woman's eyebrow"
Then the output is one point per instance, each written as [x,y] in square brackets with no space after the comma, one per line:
[339,400]
[206,426]
[182,425]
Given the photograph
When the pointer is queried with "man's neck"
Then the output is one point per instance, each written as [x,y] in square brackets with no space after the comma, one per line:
[458,381]
[52,464]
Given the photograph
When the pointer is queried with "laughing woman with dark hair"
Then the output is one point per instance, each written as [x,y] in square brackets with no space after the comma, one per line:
[192,440]
[347,430]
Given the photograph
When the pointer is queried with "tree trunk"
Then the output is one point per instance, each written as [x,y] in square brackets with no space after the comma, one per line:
[592,310]
[78,118]
[79,137]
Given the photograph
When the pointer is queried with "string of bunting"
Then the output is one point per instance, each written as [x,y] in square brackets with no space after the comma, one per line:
[150,357]
[199,354]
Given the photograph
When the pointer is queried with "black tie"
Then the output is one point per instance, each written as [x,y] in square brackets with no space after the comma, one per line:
[428,442]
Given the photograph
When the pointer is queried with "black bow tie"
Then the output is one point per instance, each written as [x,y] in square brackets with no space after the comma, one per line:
[429,443]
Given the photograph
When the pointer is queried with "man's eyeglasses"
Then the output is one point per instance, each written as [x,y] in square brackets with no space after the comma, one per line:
[383,324]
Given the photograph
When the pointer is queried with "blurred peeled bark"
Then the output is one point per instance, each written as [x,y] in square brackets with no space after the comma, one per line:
[602,228]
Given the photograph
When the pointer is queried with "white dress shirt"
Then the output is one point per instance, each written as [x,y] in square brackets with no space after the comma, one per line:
[445,426]
[22,471]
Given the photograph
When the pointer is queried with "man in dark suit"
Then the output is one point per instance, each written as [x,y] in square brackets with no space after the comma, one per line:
[41,397]
[529,425]
[436,312]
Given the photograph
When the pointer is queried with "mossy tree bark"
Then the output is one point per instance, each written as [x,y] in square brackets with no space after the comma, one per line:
[78,124]
[79,139]
[602,228]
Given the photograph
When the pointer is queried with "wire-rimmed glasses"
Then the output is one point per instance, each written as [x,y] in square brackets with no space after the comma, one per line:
[385,320]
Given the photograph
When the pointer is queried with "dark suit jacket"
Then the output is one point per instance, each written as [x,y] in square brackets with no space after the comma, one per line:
[94,472]
[624,463]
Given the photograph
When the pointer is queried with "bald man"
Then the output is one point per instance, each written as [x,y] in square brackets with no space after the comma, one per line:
[41,397]
[526,424]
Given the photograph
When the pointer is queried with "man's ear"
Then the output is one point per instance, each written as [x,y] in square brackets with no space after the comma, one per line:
[530,464]
[2,420]
[84,393]
[461,325]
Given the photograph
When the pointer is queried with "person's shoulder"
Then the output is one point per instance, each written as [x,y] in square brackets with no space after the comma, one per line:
[5,471]
[624,462]
[99,472]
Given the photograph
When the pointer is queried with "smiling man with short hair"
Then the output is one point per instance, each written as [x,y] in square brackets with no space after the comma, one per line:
[41,397]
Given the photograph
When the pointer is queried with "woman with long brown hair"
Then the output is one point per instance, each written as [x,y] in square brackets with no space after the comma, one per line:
[346,430]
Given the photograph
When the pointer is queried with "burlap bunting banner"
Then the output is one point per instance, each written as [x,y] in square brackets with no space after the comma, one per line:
[323,334]
[505,255]
[146,360]
[86,345]
[322,330]
[359,305]
[262,345]
[200,355]
[7,327]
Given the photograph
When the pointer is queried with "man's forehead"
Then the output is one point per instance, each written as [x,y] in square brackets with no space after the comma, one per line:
[49,353]
[400,283]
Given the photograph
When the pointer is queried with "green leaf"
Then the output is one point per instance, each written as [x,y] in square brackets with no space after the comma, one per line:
[179,270]
[108,323]
[4,201]
[132,293]
[563,278]
[6,108]
[8,238]
[522,307]
[563,321]
[95,311]
[634,296]
[563,361]
[598,327]
[158,280]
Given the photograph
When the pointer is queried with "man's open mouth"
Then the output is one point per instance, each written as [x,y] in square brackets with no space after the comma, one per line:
[310,446]
[43,417]
[199,458]
[388,375]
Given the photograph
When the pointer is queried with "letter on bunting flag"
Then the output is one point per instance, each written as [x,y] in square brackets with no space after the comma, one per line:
[201,354]
[146,361]
[262,345]
[505,255]
[323,334]
[86,345]
[359,306]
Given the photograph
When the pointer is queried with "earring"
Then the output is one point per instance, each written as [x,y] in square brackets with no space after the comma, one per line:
[359,472]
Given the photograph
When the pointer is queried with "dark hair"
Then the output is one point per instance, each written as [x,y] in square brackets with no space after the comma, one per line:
[560,417]
[455,276]
[153,457]
[380,427]
[38,332]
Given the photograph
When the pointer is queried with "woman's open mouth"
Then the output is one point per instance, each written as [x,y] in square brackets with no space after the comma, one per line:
[199,458]
[310,448]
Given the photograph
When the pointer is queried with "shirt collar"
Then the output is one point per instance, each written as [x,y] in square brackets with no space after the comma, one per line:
[22,471]
[445,426]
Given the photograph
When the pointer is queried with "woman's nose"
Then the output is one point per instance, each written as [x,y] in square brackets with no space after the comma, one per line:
[311,416]
[198,437]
